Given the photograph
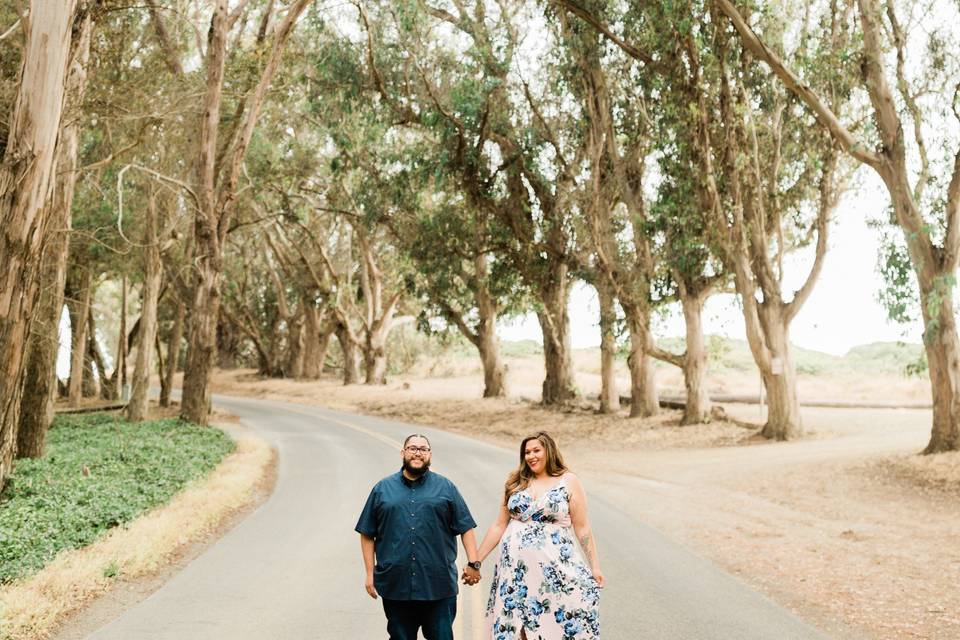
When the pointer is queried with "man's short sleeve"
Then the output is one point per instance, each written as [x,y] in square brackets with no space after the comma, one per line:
[367,524]
[461,520]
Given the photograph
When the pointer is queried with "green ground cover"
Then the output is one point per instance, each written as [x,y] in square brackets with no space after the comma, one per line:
[99,471]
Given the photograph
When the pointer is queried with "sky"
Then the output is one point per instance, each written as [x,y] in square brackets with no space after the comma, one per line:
[842,312]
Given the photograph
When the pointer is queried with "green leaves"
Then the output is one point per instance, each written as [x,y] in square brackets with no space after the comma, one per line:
[99,472]
[898,295]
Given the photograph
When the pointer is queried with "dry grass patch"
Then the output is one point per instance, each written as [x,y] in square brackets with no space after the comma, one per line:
[507,421]
[32,608]
[939,472]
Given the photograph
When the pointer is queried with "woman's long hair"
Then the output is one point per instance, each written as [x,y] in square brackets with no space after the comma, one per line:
[519,479]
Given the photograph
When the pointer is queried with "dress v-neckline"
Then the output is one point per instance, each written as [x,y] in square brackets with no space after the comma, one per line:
[552,487]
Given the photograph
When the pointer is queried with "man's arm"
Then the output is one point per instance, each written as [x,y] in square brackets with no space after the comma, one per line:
[366,547]
[469,541]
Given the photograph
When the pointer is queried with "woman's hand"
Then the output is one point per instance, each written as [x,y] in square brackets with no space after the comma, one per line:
[598,576]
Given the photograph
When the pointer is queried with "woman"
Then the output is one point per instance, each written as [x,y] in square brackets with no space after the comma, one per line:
[543,588]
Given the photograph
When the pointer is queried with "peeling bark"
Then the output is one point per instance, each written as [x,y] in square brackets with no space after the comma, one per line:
[698,406]
[644,397]
[153,272]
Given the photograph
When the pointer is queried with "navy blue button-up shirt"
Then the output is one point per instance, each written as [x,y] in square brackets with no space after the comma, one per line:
[414,525]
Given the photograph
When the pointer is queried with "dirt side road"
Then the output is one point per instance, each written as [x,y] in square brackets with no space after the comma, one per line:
[847,527]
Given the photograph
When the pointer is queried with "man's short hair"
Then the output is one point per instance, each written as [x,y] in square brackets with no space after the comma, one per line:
[415,435]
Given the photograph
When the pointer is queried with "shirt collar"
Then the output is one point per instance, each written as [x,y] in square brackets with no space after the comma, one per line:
[418,481]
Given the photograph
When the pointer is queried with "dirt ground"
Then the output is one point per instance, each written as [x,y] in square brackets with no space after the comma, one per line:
[848,527]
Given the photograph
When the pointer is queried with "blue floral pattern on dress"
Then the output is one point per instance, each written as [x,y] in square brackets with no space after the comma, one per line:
[541,582]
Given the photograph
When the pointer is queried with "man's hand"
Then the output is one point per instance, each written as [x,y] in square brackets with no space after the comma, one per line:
[371,590]
[470,576]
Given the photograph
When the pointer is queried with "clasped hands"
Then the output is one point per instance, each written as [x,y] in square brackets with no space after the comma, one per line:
[470,576]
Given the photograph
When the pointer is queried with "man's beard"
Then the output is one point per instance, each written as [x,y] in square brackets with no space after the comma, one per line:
[416,473]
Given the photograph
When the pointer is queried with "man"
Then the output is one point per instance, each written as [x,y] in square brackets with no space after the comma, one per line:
[408,535]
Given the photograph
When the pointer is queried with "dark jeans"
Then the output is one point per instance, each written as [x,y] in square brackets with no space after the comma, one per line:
[406,617]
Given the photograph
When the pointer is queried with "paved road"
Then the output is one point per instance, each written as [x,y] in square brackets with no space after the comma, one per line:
[292,569]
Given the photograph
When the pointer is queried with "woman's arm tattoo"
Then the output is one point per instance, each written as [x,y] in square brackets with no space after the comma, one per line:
[585,542]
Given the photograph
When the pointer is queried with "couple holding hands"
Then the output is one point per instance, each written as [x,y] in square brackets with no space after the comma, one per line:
[547,579]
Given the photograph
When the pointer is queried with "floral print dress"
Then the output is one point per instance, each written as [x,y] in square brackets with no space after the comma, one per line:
[541,583]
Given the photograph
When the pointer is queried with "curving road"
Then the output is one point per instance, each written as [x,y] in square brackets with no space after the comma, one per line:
[292,569]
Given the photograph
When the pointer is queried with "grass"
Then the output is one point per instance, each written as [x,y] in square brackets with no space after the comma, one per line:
[99,472]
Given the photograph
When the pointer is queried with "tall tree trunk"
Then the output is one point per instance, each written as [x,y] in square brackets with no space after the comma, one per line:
[205,306]
[119,377]
[79,325]
[26,179]
[173,355]
[297,338]
[494,370]
[943,357]
[770,343]
[229,341]
[351,356]
[201,343]
[484,336]
[215,185]
[40,384]
[698,405]
[153,271]
[644,398]
[161,366]
[375,354]
[558,385]
[98,384]
[609,396]
[312,358]
[94,379]
[324,341]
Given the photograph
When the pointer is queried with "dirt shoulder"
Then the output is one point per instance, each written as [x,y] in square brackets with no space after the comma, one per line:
[848,527]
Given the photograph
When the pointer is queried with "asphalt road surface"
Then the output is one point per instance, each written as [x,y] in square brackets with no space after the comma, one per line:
[292,569]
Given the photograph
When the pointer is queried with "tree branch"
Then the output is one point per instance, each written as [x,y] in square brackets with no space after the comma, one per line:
[823,113]
[629,49]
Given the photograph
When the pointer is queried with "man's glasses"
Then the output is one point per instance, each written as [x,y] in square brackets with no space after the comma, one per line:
[417,449]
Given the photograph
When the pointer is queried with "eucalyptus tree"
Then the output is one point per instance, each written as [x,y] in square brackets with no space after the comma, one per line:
[693,272]
[913,101]
[26,176]
[454,249]
[782,181]
[774,183]
[469,89]
[260,298]
[40,377]
[218,166]
[460,274]
[405,187]
[646,225]
[617,136]
[120,196]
